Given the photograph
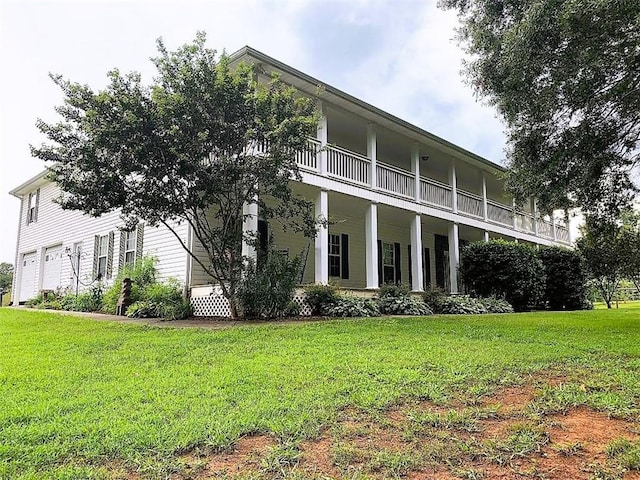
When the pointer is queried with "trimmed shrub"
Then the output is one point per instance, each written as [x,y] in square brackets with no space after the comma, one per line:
[460,305]
[495,305]
[432,296]
[267,289]
[566,285]
[321,298]
[502,269]
[396,300]
[350,306]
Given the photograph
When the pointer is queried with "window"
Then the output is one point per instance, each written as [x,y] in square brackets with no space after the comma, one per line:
[335,249]
[130,241]
[388,263]
[32,212]
[103,253]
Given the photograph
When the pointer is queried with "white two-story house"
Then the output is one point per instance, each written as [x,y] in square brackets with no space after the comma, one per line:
[401,203]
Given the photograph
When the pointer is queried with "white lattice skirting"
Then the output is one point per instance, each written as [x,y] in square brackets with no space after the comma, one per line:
[214,304]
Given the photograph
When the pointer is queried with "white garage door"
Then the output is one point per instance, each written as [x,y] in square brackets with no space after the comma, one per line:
[52,267]
[27,277]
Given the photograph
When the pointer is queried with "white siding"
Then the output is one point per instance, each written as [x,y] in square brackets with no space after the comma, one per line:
[56,226]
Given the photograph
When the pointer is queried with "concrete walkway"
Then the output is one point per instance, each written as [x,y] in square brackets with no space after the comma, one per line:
[193,322]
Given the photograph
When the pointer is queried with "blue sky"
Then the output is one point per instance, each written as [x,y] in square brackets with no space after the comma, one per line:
[398,55]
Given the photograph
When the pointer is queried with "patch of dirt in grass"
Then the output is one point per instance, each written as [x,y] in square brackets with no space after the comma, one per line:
[499,439]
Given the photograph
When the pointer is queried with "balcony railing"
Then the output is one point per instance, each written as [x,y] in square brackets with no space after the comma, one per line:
[562,233]
[395,180]
[470,204]
[499,213]
[355,168]
[435,193]
[524,222]
[349,165]
[309,158]
[545,228]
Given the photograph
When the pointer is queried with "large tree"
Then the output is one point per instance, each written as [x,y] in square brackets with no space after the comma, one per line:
[565,76]
[630,238]
[201,141]
[604,251]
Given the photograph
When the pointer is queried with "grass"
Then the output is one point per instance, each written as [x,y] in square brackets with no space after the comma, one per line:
[78,397]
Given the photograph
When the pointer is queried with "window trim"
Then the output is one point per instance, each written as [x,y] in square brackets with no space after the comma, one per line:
[338,255]
[133,251]
[103,238]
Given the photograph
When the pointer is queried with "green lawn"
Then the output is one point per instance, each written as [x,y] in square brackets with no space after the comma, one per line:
[77,395]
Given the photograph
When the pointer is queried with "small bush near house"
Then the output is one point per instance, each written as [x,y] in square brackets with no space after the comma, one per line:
[396,300]
[267,288]
[460,305]
[350,306]
[321,298]
[87,301]
[502,269]
[161,300]
[495,305]
[466,305]
[566,278]
[142,274]
[150,298]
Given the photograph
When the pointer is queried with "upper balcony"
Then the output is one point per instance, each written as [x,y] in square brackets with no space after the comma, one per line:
[357,169]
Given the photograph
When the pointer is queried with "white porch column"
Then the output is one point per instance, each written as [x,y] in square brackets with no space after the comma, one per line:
[371,245]
[417,280]
[250,229]
[454,256]
[485,208]
[486,236]
[322,239]
[453,181]
[568,222]
[372,152]
[415,168]
[322,135]
[534,209]
[515,215]
[553,225]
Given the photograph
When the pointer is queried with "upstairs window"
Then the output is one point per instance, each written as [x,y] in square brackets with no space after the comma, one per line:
[32,210]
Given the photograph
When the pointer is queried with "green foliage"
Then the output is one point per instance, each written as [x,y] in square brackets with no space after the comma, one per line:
[495,305]
[198,106]
[396,300]
[433,295]
[603,250]
[351,306]
[504,270]
[563,75]
[142,274]
[161,300]
[321,297]
[88,301]
[566,278]
[460,305]
[6,276]
[267,288]
[630,239]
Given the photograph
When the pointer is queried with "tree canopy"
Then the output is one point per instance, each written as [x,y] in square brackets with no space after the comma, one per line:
[565,76]
[6,276]
[204,139]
